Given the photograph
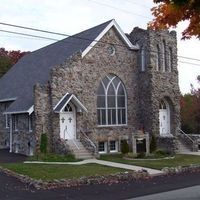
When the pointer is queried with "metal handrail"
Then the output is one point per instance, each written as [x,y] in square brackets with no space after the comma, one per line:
[65,131]
[89,140]
[187,136]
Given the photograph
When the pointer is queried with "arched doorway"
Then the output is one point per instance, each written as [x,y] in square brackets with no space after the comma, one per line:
[68,122]
[164,117]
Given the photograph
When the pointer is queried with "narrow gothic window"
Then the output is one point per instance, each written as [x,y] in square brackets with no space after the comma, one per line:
[164,56]
[142,59]
[111,102]
[68,108]
[157,58]
[170,60]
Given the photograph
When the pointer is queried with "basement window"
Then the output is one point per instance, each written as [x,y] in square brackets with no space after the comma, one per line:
[113,146]
[102,147]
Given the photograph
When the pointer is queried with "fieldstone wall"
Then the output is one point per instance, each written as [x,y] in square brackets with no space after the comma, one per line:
[4,132]
[155,85]
[166,143]
[82,78]
[43,111]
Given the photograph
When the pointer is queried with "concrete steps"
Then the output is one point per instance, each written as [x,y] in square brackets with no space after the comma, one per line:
[182,148]
[79,150]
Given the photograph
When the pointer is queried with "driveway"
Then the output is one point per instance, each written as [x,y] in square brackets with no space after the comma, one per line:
[6,157]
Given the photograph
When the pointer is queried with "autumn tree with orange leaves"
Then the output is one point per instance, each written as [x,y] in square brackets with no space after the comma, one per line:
[168,13]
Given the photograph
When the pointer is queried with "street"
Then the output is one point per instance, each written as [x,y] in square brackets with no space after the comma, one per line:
[12,189]
[190,193]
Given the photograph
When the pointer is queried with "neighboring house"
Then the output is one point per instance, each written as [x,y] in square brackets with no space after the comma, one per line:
[99,86]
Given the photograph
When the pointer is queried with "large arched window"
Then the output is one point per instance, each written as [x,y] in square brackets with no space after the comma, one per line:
[111,102]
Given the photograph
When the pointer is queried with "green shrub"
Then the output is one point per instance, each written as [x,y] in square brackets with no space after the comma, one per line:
[131,155]
[124,147]
[161,153]
[141,155]
[52,157]
[153,145]
[43,143]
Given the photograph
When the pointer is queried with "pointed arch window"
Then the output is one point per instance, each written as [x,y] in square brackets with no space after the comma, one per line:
[142,57]
[164,56]
[111,102]
[157,58]
[170,60]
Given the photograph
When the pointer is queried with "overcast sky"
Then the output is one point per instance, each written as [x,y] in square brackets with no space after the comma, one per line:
[73,16]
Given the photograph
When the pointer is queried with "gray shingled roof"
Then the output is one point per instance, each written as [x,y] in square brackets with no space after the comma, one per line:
[35,68]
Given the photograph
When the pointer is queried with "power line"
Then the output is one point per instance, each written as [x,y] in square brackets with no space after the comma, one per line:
[30,35]
[61,34]
[189,58]
[141,5]
[120,9]
[32,29]
[189,63]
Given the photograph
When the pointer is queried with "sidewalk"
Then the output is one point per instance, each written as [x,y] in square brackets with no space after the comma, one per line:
[152,172]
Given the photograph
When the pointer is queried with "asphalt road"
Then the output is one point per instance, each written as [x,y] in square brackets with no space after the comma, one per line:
[12,189]
[190,193]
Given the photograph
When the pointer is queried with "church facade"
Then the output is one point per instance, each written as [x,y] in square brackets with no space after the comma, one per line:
[98,87]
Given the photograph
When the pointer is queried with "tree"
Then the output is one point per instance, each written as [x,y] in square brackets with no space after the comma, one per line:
[168,13]
[190,111]
[8,59]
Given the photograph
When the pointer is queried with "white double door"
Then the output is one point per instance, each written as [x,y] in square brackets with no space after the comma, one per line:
[68,125]
[164,122]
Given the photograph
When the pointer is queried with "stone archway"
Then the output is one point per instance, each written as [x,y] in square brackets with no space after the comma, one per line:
[164,118]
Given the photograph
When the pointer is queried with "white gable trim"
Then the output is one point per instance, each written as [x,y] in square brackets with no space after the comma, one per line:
[10,99]
[30,110]
[121,33]
[60,101]
[74,100]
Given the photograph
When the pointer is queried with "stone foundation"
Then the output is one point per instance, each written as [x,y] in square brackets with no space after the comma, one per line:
[166,143]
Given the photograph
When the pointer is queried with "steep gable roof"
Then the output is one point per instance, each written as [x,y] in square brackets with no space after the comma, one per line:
[35,67]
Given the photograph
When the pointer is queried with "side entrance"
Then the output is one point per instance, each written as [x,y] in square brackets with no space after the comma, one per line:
[68,122]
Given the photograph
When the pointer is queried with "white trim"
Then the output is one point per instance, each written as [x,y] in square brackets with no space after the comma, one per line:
[116,146]
[15,112]
[60,101]
[11,139]
[30,123]
[105,147]
[70,99]
[30,110]
[119,30]
[7,119]
[9,99]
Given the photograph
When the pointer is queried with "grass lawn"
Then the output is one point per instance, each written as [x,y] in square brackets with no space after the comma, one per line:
[50,172]
[53,158]
[179,160]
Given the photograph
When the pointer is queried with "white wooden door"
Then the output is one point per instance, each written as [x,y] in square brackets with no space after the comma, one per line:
[67,126]
[163,119]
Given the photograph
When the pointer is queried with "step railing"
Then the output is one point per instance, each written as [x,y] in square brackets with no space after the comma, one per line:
[88,141]
[71,138]
[192,144]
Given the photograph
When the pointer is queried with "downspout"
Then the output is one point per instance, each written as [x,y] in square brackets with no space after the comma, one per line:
[11,135]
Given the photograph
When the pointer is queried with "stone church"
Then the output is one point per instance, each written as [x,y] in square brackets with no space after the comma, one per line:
[92,90]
